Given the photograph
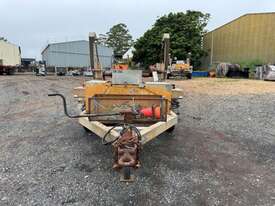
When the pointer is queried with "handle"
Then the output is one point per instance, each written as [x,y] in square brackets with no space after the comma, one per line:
[79,116]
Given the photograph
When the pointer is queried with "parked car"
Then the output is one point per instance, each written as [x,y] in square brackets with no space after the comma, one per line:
[88,74]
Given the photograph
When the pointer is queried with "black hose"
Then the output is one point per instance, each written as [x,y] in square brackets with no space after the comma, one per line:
[125,128]
[104,142]
[79,116]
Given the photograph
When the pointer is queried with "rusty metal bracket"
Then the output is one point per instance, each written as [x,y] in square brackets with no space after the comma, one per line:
[126,152]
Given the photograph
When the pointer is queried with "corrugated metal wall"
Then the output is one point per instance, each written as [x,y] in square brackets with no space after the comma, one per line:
[9,54]
[250,37]
[75,54]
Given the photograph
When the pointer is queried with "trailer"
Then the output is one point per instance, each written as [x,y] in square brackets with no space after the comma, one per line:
[126,113]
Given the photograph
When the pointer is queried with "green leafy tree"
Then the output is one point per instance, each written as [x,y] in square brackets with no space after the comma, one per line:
[186,31]
[102,38]
[119,38]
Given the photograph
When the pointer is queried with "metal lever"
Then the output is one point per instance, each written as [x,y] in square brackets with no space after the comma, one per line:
[79,116]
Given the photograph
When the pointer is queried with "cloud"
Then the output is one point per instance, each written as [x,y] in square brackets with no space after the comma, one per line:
[33,23]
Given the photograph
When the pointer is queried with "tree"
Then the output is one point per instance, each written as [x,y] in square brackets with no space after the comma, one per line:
[102,38]
[119,38]
[186,31]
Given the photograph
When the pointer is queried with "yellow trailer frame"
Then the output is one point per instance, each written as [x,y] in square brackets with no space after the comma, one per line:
[126,116]
[147,133]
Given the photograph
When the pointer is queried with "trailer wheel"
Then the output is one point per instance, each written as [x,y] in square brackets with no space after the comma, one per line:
[86,129]
[171,129]
[126,173]
[189,76]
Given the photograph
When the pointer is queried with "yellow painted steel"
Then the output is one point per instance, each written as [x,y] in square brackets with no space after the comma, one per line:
[182,66]
[107,88]
[250,37]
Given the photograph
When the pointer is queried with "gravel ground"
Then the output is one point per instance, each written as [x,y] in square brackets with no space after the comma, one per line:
[221,153]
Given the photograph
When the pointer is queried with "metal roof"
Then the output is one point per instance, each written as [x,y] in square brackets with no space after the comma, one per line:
[65,42]
[249,14]
[75,54]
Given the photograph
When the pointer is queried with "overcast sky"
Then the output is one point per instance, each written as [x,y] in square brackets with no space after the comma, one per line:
[34,23]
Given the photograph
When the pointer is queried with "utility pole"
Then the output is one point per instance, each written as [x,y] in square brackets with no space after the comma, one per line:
[212,48]
[94,60]
[166,41]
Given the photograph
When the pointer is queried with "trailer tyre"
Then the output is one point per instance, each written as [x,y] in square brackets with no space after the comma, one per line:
[171,129]
[189,76]
[87,130]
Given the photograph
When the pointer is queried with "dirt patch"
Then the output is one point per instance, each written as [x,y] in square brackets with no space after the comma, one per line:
[216,86]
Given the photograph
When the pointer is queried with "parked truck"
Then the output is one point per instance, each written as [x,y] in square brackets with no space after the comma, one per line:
[10,57]
[8,70]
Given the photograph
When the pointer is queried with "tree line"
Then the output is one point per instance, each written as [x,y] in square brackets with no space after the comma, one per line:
[186,31]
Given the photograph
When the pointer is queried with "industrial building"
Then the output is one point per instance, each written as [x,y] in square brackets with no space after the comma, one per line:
[75,54]
[250,37]
[10,54]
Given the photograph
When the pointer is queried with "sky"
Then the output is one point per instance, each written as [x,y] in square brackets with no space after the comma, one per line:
[32,24]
